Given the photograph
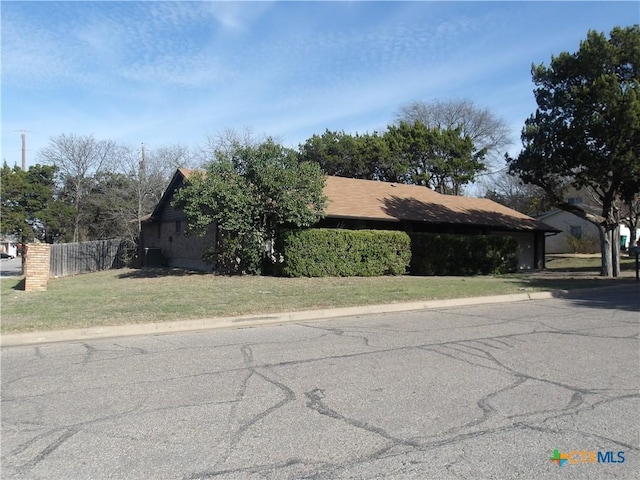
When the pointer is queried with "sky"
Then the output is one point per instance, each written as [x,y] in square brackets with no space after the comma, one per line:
[167,73]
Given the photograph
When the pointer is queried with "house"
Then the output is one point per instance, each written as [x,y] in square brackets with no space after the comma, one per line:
[570,225]
[381,205]
[163,239]
[9,247]
[358,204]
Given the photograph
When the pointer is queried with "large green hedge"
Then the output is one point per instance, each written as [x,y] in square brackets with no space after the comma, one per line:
[343,253]
[434,254]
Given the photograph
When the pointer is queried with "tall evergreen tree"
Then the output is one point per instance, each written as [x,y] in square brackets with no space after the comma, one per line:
[585,132]
[29,206]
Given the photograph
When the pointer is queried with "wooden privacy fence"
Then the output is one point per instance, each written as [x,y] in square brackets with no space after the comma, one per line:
[75,258]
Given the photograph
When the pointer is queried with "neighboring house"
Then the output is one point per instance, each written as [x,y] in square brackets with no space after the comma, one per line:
[360,204]
[9,247]
[571,225]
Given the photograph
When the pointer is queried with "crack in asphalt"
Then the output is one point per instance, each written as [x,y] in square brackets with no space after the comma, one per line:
[314,402]
[236,436]
[68,432]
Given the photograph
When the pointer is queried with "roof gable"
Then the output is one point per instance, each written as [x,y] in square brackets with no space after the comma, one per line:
[178,180]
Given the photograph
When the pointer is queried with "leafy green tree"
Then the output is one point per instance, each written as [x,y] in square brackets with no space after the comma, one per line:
[364,156]
[443,160]
[13,214]
[585,133]
[251,192]
[29,206]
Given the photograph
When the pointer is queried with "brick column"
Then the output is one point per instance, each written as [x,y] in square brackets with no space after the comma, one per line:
[36,267]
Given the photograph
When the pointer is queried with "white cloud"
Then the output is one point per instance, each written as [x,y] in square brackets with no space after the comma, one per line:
[176,71]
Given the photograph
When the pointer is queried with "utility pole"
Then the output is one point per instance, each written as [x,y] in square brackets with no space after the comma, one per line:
[143,164]
[142,174]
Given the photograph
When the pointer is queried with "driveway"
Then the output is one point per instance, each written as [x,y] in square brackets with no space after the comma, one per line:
[482,392]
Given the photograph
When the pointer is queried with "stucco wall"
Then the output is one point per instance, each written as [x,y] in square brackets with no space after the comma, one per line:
[564,221]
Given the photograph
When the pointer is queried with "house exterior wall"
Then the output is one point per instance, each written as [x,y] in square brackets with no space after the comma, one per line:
[530,251]
[568,222]
[9,247]
[185,251]
[178,249]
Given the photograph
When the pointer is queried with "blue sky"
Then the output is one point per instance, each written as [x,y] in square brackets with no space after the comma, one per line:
[168,73]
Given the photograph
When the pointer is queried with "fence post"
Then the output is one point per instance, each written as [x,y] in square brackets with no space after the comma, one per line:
[36,267]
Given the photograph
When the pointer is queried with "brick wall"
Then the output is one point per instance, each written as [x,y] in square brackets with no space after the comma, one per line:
[36,267]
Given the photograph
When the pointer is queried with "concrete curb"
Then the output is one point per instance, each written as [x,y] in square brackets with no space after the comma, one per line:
[96,333]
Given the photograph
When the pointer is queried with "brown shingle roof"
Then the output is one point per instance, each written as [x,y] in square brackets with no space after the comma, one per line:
[394,202]
[371,200]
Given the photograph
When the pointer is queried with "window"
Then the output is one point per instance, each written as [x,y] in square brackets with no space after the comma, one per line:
[576,231]
[178,226]
[574,200]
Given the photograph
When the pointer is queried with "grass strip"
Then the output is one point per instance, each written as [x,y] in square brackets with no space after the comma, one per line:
[126,296]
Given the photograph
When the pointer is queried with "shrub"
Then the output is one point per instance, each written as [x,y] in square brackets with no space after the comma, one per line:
[343,253]
[583,244]
[435,254]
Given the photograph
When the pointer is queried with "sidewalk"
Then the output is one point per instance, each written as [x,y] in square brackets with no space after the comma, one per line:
[95,333]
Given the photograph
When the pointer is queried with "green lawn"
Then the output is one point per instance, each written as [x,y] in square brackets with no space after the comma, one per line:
[136,296]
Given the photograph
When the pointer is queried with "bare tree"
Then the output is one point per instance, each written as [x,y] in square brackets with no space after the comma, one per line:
[226,143]
[486,130]
[512,192]
[78,158]
[149,171]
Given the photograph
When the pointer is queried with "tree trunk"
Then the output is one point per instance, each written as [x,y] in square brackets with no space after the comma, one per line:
[615,250]
[610,249]
[605,251]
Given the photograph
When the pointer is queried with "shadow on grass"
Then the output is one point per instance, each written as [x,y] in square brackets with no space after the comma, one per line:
[157,272]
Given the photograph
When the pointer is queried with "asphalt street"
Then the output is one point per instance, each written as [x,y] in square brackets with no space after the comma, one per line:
[475,392]
[11,267]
